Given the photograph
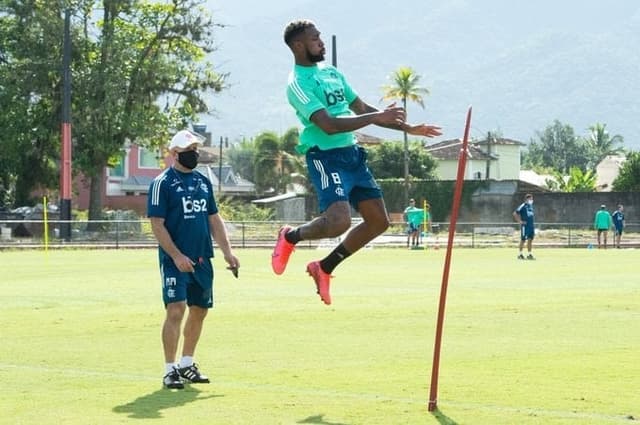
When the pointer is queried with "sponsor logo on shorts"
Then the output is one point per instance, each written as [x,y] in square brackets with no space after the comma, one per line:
[169,281]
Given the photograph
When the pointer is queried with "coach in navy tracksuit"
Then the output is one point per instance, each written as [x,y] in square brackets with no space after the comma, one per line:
[184,216]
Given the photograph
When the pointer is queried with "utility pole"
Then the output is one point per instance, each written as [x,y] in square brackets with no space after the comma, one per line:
[334,51]
[488,169]
[405,158]
[65,160]
[226,142]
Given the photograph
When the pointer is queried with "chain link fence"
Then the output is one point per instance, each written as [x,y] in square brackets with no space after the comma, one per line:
[16,234]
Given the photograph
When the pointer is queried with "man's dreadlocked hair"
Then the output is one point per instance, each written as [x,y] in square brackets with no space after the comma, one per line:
[294,28]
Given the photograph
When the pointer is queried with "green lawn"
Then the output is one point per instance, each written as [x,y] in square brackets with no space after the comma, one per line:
[551,341]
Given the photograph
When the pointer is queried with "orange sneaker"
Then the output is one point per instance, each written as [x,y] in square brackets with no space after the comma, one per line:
[281,251]
[321,279]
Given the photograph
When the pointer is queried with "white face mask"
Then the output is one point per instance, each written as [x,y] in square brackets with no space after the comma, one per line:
[530,201]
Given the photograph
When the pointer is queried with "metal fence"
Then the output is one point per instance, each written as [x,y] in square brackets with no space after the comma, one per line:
[16,234]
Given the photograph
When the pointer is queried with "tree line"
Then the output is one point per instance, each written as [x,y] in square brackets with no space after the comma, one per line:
[572,159]
[141,69]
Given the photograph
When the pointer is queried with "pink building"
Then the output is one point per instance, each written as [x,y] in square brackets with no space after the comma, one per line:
[126,185]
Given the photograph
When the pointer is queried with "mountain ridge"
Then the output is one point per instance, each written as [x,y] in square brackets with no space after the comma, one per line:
[521,66]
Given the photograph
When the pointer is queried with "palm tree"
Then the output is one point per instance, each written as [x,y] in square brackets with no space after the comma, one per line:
[405,87]
[266,162]
[275,163]
[601,144]
[576,181]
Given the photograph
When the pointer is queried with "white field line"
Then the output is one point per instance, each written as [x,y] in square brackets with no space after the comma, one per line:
[442,403]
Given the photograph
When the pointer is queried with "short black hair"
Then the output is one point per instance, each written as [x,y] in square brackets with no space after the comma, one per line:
[295,28]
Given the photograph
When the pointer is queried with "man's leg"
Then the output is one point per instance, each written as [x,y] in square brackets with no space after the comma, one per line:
[375,221]
[521,247]
[193,329]
[170,338]
[333,222]
[618,238]
[171,330]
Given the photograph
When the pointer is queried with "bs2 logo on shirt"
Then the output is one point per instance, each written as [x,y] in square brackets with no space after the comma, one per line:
[190,206]
[334,97]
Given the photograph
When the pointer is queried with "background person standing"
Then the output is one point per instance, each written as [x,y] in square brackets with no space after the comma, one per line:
[524,216]
[602,223]
[413,219]
[618,223]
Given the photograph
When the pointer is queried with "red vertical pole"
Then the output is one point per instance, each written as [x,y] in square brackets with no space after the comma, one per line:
[462,162]
[65,175]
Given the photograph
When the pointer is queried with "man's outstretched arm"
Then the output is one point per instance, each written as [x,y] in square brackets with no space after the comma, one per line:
[392,117]
[358,106]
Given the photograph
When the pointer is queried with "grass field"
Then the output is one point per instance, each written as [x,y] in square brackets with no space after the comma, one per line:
[552,341]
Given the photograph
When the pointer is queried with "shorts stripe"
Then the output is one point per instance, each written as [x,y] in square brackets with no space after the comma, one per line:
[323,174]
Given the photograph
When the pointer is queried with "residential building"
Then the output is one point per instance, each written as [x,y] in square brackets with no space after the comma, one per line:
[127,183]
[494,159]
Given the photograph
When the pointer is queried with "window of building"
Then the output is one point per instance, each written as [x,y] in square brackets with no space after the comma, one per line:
[118,170]
[148,158]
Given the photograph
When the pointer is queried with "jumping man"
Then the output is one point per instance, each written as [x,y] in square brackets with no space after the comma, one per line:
[330,111]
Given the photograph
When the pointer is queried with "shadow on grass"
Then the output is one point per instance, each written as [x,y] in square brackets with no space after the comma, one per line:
[319,420]
[150,406]
[442,418]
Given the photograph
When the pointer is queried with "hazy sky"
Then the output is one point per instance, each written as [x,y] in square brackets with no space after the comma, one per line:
[494,54]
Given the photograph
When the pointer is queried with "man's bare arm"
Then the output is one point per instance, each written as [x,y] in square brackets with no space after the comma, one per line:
[358,106]
[342,124]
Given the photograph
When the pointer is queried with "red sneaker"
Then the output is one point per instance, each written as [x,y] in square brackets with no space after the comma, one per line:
[321,279]
[281,251]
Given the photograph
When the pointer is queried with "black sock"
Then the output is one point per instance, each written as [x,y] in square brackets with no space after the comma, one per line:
[293,236]
[332,260]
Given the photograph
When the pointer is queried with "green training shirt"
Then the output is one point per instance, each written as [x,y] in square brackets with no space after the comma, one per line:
[312,88]
[602,220]
[416,216]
